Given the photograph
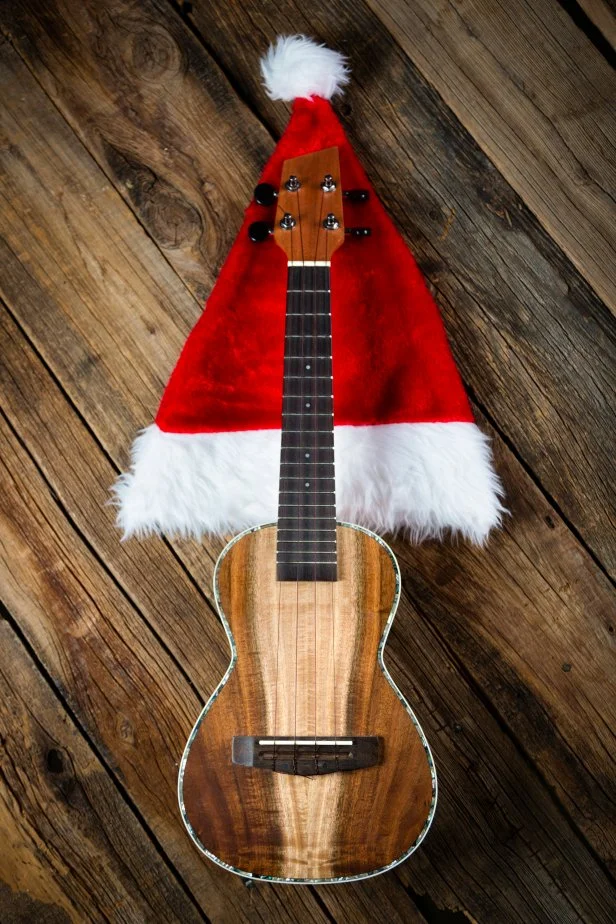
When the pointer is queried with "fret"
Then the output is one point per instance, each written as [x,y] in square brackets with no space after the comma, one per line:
[303,505]
[314,478]
[309,450]
[309,561]
[304,291]
[294,554]
[327,395]
[321,493]
[311,541]
[298,390]
[307,364]
[305,273]
[289,555]
[307,463]
[312,558]
[308,529]
[285,462]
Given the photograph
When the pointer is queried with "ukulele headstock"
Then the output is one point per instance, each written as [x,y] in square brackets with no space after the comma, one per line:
[309,223]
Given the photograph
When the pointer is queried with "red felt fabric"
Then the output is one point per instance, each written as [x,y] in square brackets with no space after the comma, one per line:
[392,362]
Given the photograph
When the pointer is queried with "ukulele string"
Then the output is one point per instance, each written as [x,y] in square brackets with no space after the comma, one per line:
[300,512]
[316,468]
[332,611]
[280,209]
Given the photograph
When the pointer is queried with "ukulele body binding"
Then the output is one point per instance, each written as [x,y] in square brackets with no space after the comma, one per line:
[307,665]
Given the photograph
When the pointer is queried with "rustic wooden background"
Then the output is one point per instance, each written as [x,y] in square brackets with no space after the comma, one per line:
[133,135]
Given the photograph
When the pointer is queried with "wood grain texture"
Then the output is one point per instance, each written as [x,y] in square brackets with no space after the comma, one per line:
[520,740]
[72,848]
[533,623]
[602,13]
[140,92]
[537,96]
[307,665]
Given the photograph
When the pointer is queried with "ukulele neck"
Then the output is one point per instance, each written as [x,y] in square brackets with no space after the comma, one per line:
[306,544]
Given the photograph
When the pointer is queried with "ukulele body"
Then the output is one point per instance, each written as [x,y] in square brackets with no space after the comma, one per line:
[307,662]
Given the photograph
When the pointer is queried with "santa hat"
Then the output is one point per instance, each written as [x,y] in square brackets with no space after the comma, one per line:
[408,453]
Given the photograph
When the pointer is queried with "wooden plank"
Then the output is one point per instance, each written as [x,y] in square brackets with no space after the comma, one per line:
[513,304]
[139,87]
[57,325]
[73,849]
[495,816]
[481,847]
[81,473]
[127,691]
[537,96]
[603,15]
[531,618]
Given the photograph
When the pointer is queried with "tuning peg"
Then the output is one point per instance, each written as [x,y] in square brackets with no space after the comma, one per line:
[358,232]
[356,195]
[265,194]
[259,231]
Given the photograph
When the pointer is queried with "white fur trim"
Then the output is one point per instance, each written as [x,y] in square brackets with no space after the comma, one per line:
[424,479]
[298,66]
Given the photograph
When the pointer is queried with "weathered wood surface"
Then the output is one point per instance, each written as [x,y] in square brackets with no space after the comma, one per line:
[72,848]
[130,205]
[493,807]
[92,369]
[132,697]
[538,100]
[602,13]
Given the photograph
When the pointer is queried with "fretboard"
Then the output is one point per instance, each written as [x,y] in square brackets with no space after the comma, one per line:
[307,501]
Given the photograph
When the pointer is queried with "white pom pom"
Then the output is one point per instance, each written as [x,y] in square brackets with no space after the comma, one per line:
[298,66]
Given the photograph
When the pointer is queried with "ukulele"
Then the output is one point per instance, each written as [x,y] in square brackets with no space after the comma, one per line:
[307,764]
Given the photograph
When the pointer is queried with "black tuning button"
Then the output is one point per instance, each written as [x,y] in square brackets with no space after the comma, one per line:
[359,232]
[265,194]
[259,231]
[356,195]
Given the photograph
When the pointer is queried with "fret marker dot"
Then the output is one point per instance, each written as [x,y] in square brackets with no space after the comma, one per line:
[307,455]
[307,484]
[308,366]
[307,403]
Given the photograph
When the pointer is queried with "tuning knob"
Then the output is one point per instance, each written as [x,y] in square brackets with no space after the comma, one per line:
[356,195]
[259,231]
[265,194]
[359,232]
